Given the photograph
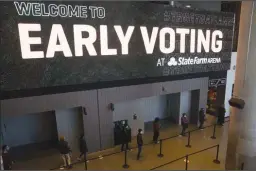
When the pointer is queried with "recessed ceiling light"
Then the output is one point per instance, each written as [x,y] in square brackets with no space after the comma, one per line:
[188,6]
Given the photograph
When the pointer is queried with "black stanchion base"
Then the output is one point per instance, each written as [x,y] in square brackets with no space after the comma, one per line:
[126,166]
[216,161]
[160,155]
[213,137]
[189,146]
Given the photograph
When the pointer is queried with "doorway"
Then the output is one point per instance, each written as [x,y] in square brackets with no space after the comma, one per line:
[31,135]
[194,108]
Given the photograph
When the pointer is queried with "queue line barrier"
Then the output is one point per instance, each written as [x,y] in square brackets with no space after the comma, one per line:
[125,165]
[186,157]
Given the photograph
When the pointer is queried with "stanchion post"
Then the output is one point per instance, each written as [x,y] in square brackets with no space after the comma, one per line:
[186,168]
[242,166]
[214,130]
[160,153]
[188,145]
[125,166]
[217,155]
[85,161]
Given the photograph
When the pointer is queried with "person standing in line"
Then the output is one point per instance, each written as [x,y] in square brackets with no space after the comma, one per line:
[184,123]
[7,160]
[139,143]
[65,152]
[156,130]
[83,147]
[221,115]
[124,137]
[201,118]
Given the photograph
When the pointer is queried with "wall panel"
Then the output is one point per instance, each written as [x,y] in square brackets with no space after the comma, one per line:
[121,94]
[146,110]
[63,101]
[99,121]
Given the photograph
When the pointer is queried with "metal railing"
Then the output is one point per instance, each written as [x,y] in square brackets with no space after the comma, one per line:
[160,154]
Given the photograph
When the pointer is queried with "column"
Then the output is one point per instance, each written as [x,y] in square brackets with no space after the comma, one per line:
[242,129]
[229,82]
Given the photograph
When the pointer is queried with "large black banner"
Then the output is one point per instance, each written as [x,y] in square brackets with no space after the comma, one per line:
[52,44]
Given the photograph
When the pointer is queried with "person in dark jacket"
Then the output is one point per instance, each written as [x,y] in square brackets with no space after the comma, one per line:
[65,152]
[221,115]
[124,137]
[184,123]
[201,118]
[83,147]
[156,130]
[139,143]
[7,160]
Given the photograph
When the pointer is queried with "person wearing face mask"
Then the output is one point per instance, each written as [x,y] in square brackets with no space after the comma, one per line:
[139,142]
[201,118]
[7,161]
[184,123]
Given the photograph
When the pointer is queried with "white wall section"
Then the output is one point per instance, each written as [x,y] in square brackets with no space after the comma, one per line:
[230,81]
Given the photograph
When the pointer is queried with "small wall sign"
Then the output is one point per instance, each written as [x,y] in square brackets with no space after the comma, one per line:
[134,117]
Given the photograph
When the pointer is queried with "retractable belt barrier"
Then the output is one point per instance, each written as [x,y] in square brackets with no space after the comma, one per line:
[186,157]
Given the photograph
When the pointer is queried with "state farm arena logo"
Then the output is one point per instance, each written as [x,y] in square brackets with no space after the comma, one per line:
[192,61]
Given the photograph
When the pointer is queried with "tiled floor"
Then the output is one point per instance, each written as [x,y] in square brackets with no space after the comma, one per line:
[172,149]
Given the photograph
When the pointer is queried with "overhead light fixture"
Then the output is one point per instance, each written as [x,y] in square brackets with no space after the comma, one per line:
[188,6]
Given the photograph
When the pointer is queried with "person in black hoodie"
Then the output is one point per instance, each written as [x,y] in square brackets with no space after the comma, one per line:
[124,137]
[7,161]
[201,118]
[139,143]
[65,152]
[83,147]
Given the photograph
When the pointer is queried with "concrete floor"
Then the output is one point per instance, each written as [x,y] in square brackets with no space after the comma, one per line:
[172,149]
